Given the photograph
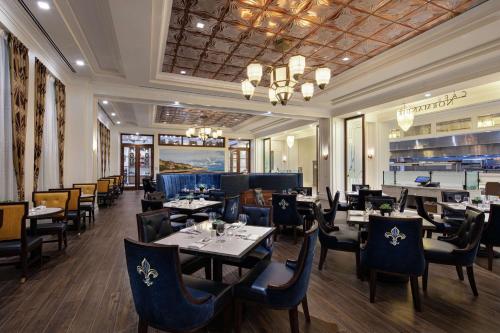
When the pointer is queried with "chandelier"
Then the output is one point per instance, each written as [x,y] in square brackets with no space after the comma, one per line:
[405,118]
[204,132]
[284,78]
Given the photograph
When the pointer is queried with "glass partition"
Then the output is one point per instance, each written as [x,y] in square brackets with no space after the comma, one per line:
[472,180]
[407,178]
[354,151]
[449,179]
[388,178]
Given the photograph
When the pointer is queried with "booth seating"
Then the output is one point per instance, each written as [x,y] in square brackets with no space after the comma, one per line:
[231,183]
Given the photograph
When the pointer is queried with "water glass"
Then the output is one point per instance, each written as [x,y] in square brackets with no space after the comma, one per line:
[177,197]
[466,200]
[368,207]
[242,218]
[190,223]
[211,217]
[395,208]
[220,231]
[458,198]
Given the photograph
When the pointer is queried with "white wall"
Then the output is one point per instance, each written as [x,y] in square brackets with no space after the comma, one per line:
[306,149]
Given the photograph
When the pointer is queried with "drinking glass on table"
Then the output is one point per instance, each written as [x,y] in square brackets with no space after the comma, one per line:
[220,229]
[395,208]
[177,197]
[465,200]
[368,207]
[211,217]
[242,218]
[190,223]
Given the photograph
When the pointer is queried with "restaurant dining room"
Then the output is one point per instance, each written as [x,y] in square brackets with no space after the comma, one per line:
[250,166]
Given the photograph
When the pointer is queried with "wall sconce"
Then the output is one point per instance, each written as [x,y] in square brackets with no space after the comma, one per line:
[324,152]
[284,159]
[370,153]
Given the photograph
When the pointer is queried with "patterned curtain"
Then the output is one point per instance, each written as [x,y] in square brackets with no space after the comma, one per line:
[108,149]
[104,147]
[40,89]
[61,120]
[19,70]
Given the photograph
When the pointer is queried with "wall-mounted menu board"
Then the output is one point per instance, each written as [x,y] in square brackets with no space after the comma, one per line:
[182,140]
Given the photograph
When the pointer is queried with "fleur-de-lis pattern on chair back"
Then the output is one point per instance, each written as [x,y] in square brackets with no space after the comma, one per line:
[293,291]
[366,193]
[14,214]
[285,209]
[153,225]
[231,209]
[395,245]
[161,299]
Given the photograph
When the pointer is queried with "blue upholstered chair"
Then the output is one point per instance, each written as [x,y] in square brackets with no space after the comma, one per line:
[279,285]
[149,205]
[285,213]
[154,225]
[333,238]
[213,195]
[441,226]
[457,250]
[163,297]
[231,209]
[258,216]
[394,246]
[491,233]
[363,194]
[452,217]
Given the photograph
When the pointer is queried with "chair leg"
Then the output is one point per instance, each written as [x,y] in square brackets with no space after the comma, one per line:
[472,281]
[59,240]
[295,235]
[240,271]
[65,239]
[322,257]
[373,285]
[425,277]
[415,292]
[142,327]
[24,266]
[305,307]
[276,232]
[358,265]
[429,233]
[294,320]
[491,255]
[238,309]
[460,272]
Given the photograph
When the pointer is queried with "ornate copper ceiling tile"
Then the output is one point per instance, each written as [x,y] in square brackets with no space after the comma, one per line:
[468,5]
[193,21]
[391,33]
[198,41]
[224,77]
[168,60]
[346,19]
[437,21]
[212,8]
[370,26]
[324,35]
[209,66]
[185,63]
[358,61]
[231,31]
[404,38]
[326,53]
[238,61]
[320,11]
[170,49]
[249,51]
[299,28]
[179,70]
[216,57]
[259,37]
[290,7]
[269,56]
[221,45]
[179,3]
[231,70]
[242,14]
[346,41]
[272,21]
[307,49]
[367,46]
[396,9]
[192,116]
[189,52]
[175,35]
[204,74]
[423,15]
[255,3]
[454,5]
[368,6]
[177,19]
[379,50]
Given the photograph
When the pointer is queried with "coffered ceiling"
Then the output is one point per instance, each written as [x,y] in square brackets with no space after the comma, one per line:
[216,39]
[192,116]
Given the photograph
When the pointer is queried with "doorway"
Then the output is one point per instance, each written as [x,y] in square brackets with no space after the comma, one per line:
[137,159]
[239,154]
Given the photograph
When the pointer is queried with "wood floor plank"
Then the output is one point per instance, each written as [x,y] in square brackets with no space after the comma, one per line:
[86,289]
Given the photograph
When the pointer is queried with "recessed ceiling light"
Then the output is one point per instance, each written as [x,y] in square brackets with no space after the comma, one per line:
[358,113]
[428,94]
[113,114]
[43,5]
[118,122]
[346,59]
[176,102]
[136,133]
[105,102]
[183,72]
[80,62]
[268,113]
[200,25]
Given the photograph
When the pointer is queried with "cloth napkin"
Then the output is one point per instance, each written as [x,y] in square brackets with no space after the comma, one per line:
[356,213]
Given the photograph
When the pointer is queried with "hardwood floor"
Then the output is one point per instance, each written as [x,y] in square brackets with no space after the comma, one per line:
[86,289]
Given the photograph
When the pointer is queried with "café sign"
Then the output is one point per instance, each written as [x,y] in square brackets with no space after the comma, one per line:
[441,103]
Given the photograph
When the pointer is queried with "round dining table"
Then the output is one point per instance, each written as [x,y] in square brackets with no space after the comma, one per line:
[36,214]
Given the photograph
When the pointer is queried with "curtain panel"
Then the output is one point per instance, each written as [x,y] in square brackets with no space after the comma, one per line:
[19,70]
[40,91]
[104,147]
[61,121]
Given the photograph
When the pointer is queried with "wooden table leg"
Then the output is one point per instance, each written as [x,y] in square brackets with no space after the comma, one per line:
[217,270]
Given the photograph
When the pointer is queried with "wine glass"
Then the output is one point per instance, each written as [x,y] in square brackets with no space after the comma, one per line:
[368,207]
[395,208]
[458,198]
[242,218]
[220,229]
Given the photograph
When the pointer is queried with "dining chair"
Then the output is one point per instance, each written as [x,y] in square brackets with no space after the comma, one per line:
[14,240]
[155,195]
[307,190]
[147,186]
[450,216]
[339,206]
[394,247]
[457,250]
[213,195]
[104,196]
[441,226]
[357,187]
[262,217]
[402,200]
[491,233]
[53,199]
[379,201]
[87,205]
[167,300]
[363,194]
[73,206]
[113,188]
[156,224]
[334,238]
[279,285]
[149,205]
[231,209]
[285,214]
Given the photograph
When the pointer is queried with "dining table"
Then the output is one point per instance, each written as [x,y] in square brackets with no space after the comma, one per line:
[190,207]
[39,213]
[235,245]
[362,218]
[461,207]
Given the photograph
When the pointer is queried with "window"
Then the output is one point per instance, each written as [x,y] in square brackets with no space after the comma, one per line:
[454,125]
[182,140]
[239,152]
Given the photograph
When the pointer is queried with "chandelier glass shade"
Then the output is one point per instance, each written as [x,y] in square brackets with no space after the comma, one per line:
[405,118]
[284,79]
[203,133]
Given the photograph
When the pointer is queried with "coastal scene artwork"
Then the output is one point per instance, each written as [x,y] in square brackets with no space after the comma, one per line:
[174,160]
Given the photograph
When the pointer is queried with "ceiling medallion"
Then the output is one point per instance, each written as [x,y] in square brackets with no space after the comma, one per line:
[405,118]
[284,78]
[204,132]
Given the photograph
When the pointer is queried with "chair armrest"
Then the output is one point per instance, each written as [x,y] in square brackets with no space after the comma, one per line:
[290,263]
[448,238]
